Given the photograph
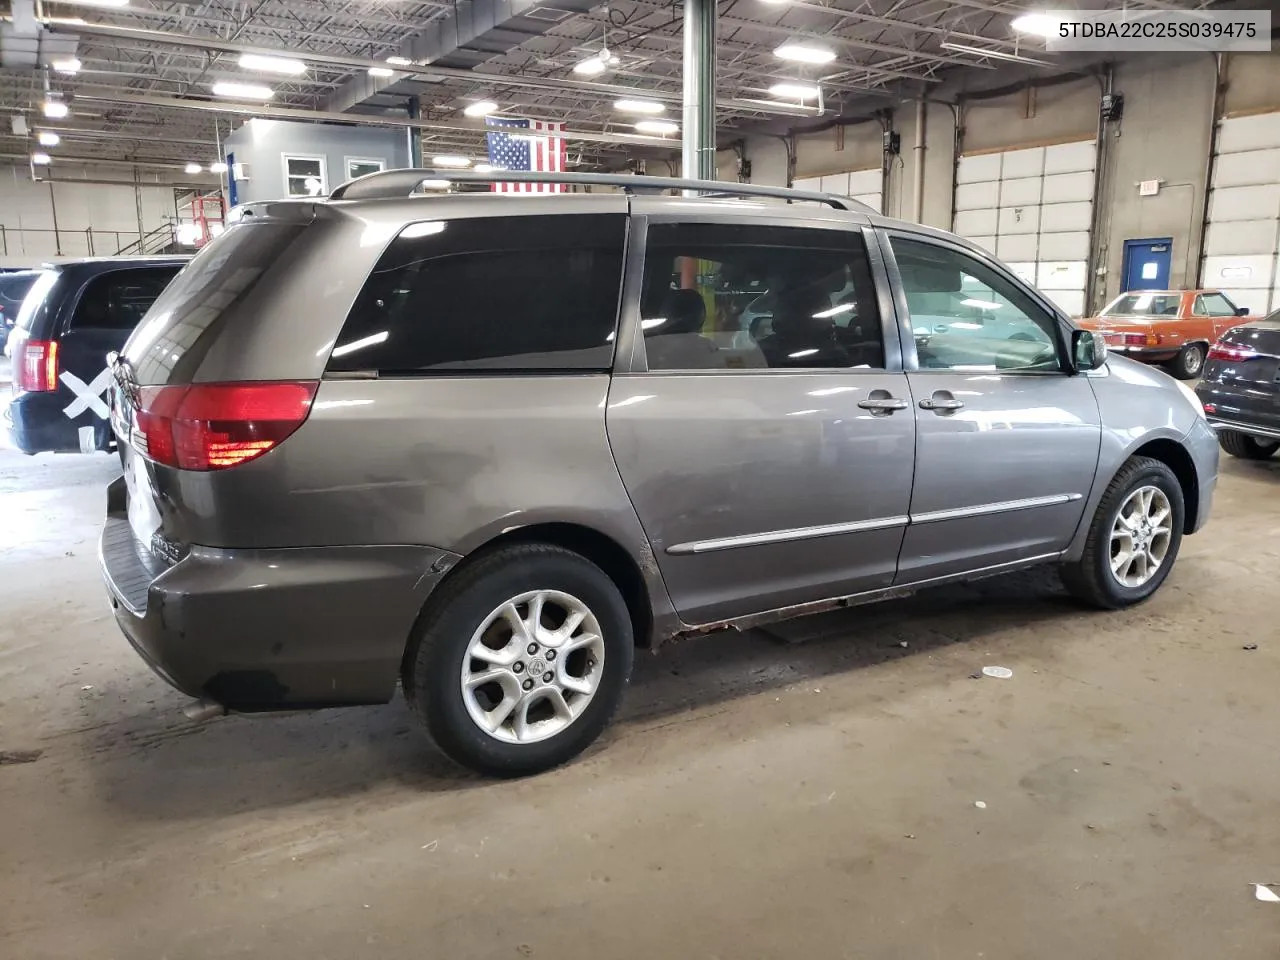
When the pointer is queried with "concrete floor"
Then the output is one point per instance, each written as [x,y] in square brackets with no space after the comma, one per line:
[755,800]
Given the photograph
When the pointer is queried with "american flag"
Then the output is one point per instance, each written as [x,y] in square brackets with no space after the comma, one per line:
[534,148]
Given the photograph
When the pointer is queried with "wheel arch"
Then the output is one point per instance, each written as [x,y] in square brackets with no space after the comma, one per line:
[1175,456]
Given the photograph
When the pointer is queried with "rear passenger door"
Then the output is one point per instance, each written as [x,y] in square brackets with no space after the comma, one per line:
[759,415]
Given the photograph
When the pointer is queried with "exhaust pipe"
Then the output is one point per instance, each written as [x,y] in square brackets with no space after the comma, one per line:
[198,711]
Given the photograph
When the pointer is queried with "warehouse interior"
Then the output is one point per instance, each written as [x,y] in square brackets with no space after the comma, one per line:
[844,782]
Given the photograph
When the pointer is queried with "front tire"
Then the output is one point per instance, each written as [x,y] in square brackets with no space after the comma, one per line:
[1133,538]
[520,660]
[1189,362]
[1246,447]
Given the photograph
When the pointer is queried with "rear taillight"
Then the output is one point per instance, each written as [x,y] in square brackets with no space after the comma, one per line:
[212,426]
[38,366]
[1140,339]
[1231,352]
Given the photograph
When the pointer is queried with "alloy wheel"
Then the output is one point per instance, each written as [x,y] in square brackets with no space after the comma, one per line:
[1140,536]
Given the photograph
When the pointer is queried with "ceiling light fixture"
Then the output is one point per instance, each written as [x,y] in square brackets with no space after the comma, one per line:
[41,159]
[481,108]
[451,161]
[400,61]
[1037,24]
[640,106]
[48,138]
[193,168]
[804,53]
[218,167]
[594,65]
[658,127]
[794,91]
[265,64]
[381,72]
[242,91]
[55,109]
[436,184]
[484,168]
[994,54]
[67,65]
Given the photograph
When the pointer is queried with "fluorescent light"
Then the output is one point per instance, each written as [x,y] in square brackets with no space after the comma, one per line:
[97,3]
[48,138]
[451,161]
[639,106]
[659,127]
[993,54]
[256,61]
[794,91]
[381,72]
[67,65]
[435,184]
[400,61]
[484,168]
[193,168]
[242,91]
[590,66]
[481,108]
[40,159]
[218,167]
[804,53]
[55,109]
[1037,24]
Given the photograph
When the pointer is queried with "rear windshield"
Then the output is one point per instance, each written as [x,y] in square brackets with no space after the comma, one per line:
[13,290]
[1144,305]
[33,303]
[176,332]
[118,300]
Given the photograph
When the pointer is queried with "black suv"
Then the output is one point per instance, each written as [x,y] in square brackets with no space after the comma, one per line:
[73,316]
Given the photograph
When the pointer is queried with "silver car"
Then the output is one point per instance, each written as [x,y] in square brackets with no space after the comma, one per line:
[485,444]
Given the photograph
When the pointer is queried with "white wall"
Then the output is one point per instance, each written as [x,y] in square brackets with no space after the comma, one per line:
[30,210]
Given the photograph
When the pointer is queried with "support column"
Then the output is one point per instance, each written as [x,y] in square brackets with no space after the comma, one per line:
[413,134]
[699,128]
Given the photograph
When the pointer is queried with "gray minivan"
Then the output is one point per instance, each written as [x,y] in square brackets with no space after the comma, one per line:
[485,444]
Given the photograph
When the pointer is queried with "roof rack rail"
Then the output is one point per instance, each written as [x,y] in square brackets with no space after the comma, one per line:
[402,183]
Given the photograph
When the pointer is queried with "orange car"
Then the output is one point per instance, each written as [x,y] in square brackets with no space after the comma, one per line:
[1174,327]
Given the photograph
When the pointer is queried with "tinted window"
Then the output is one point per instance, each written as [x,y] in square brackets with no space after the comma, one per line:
[1144,305]
[1215,305]
[498,293]
[220,278]
[12,291]
[966,316]
[738,296]
[35,303]
[118,300]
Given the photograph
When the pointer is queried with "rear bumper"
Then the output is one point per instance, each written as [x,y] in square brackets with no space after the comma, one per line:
[274,629]
[1261,431]
[36,423]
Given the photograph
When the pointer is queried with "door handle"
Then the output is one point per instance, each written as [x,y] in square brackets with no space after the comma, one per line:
[941,403]
[883,404]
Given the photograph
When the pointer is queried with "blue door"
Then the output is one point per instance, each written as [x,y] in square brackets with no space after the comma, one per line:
[1146,264]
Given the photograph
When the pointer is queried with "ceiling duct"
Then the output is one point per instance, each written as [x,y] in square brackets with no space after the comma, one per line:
[24,42]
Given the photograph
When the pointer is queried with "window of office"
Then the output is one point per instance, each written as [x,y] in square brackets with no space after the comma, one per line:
[305,177]
[967,317]
[742,296]
[360,167]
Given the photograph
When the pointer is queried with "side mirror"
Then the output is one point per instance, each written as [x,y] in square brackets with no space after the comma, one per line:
[1242,311]
[1088,350]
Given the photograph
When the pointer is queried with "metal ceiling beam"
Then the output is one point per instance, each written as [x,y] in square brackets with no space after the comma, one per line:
[297,113]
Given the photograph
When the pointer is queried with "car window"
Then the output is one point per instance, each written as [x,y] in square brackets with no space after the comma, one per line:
[34,303]
[966,316]
[118,300]
[1144,305]
[1214,305]
[741,296]
[493,293]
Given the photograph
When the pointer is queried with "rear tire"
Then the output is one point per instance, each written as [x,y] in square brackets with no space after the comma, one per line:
[554,685]
[1189,362]
[1100,577]
[1246,447]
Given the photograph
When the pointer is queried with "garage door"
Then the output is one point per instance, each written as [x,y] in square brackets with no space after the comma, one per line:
[1244,213]
[1032,209]
[862,185]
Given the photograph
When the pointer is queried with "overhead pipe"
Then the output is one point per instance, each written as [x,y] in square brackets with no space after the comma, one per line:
[698,154]
[917,198]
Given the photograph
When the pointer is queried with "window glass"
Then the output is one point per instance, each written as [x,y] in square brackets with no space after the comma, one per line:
[498,293]
[34,302]
[1215,305]
[967,317]
[304,176]
[118,300]
[1144,305]
[737,296]
[360,168]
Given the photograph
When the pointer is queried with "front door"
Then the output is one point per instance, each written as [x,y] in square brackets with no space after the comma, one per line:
[1007,440]
[762,433]
[1146,264]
